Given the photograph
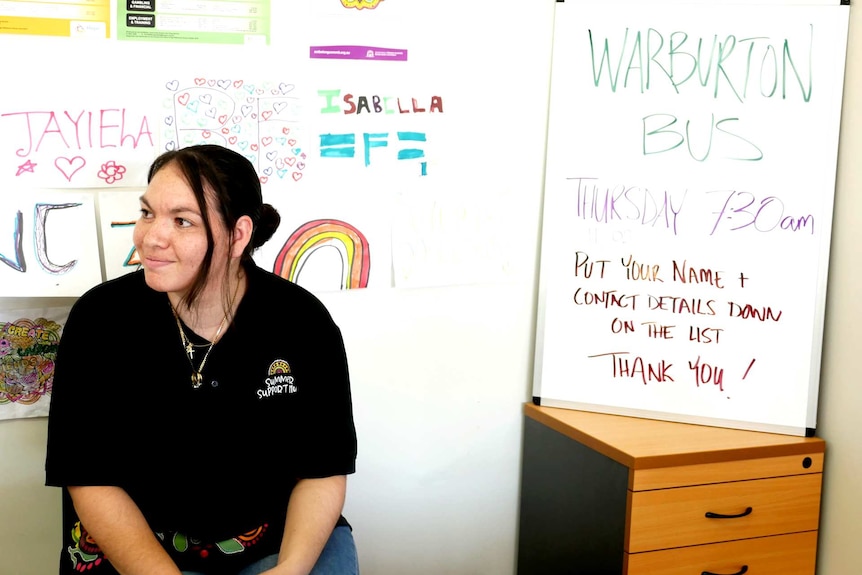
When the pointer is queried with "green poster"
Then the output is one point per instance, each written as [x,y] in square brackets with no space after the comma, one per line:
[209,21]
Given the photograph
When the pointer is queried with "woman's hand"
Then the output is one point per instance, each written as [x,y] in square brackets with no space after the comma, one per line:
[120,531]
[314,508]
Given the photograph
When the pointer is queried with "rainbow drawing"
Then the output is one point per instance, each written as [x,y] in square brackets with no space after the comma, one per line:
[306,239]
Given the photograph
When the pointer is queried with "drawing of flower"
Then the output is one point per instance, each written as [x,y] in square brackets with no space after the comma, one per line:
[111,172]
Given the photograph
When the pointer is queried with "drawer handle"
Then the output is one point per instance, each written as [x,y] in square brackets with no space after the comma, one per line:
[711,515]
[740,572]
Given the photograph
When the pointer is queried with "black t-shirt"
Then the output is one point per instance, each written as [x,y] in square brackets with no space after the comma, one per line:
[211,463]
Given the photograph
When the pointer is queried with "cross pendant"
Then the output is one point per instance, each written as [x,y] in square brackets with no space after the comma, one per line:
[190,350]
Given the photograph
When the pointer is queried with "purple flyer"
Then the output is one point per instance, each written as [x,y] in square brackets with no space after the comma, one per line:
[357,53]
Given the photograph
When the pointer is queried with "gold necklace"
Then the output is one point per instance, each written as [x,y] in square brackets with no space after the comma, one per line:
[197,376]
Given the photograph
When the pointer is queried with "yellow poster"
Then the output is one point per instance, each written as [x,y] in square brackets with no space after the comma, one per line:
[73,18]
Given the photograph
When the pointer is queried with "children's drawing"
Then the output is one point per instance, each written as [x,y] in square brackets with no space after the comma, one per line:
[75,146]
[48,244]
[118,212]
[456,239]
[28,348]
[260,120]
[376,129]
[361,4]
[349,243]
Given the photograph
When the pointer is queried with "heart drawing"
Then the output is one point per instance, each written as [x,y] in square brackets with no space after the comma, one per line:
[69,166]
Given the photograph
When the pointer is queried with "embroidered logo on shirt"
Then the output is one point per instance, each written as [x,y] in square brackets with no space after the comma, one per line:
[279,380]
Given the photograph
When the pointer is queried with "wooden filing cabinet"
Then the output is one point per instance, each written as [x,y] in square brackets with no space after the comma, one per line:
[612,495]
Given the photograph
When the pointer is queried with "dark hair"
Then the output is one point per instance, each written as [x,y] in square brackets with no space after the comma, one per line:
[235,190]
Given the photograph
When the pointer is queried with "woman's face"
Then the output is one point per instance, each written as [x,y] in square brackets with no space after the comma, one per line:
[170,236]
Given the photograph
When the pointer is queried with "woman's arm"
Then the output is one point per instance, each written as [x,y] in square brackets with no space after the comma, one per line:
[314,508]
[120,530]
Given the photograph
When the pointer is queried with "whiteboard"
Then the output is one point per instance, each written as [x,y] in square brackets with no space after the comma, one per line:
[691,160]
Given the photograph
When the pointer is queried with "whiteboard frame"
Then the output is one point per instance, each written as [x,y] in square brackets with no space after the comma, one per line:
[809,429]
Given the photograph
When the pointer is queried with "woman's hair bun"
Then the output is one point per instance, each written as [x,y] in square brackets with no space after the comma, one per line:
[266,225]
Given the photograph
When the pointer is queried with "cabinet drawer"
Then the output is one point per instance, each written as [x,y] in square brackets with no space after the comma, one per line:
[793,554]
[739,470]
[668,518]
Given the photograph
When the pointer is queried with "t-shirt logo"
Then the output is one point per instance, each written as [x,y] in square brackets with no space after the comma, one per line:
[279,380]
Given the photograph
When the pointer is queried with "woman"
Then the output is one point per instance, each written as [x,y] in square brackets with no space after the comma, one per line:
[201,417]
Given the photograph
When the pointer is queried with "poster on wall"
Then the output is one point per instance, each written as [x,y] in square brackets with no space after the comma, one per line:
[28,347]
[76,19]
[219,22]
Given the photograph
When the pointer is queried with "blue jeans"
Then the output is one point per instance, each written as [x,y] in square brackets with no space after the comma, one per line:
[337,558]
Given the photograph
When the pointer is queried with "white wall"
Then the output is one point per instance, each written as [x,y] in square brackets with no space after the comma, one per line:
[439,375]
[840,392]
